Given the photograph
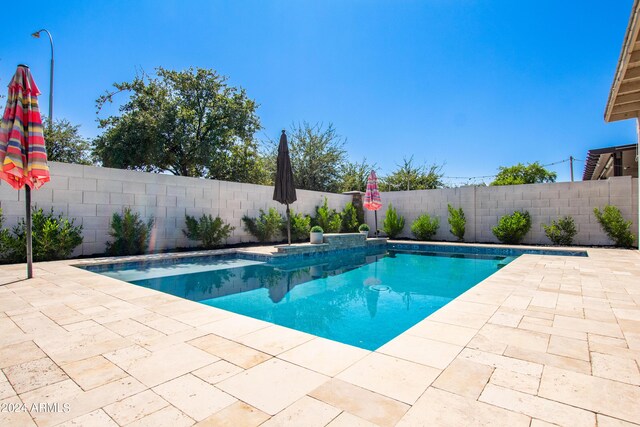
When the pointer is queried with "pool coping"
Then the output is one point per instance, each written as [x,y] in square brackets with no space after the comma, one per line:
[409,382]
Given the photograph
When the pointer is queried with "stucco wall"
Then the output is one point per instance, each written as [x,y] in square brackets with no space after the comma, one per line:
[91,195]
[483,206]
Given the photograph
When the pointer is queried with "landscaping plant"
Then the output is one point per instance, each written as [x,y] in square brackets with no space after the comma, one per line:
[562,231]
[300,226]
[614,225]
[211,232]
[393,223]
[457,222]
[363,227]
[511,229]
[424,227]
[130,233]
[53,238]
[349,219]
[317,229]
[328,219]
[266,227]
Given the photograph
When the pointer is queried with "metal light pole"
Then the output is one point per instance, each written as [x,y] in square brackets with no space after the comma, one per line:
[27,189]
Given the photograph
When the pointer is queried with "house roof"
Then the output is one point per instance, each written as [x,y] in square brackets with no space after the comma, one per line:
[624,97]
[597,161]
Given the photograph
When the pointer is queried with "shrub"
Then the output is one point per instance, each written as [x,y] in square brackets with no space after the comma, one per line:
[614,225]
[424,227]
[53,238]
[457,222]
[328,219]
[317,229]
[130,234]
[562,231]
[208,230]
[511,229]
[266,227]
[363,227]
[4,239]
[300,225]
[393,223]
[349,219]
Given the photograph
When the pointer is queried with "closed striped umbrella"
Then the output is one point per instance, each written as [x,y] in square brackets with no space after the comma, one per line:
[23,155]
[372,200]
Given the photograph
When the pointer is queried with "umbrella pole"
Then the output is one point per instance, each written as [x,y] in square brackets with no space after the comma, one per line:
[375,214]
[27,192]
[288,225]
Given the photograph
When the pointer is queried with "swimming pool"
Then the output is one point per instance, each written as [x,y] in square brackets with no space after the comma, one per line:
[361,298]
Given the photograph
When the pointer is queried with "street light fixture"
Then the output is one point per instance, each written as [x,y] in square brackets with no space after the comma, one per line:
[27,189]
[37,35]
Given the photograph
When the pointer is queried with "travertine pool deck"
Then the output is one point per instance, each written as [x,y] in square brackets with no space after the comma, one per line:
[546,340]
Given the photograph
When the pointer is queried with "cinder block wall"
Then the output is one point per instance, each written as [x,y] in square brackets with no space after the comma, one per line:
[91,195]
[483,206]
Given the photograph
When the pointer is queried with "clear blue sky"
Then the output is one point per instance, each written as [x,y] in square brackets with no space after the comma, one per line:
[474,84]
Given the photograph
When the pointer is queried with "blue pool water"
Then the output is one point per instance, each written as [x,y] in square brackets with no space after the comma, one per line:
[359,299]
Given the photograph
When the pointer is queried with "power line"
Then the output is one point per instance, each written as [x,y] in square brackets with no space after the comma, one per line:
[469,178]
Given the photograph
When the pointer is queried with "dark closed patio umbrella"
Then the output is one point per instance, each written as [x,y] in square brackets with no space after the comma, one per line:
[284,191]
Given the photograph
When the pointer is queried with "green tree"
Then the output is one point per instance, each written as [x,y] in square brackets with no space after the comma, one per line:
[355,175]
[410,176]
[329,219]
[185,122]
[65,144]
[533,173]
[317,155]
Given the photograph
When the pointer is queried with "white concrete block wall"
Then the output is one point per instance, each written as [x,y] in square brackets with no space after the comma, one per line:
[483,206]
[91,195]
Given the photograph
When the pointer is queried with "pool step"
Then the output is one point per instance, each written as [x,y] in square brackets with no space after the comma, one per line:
[505,261]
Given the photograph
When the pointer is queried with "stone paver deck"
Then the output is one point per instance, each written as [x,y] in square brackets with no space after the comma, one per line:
[546,340]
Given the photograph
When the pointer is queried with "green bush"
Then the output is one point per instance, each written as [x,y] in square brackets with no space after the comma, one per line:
[424,227]
[211,232]
[393,223]
[317,229]
[53,238]
[614,225]
[266,227]
[562,231]
[300,226]
[511,229]
[130,234]
[328,219]
[457,222]
[349,219]
[363,227]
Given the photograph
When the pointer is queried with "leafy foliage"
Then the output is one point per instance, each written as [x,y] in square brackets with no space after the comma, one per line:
[211,232]
[425,227]
[190,123]
[457,222]
[328,219]
[612,223]
[130,234]
[393,223]
[562,231]
[349,219]
[317,229]
[317,155]
[354,175]
[363,227]
[65,144]
[532,173]
[409,176]
[300,226]
[266,227]
[511,229]
[53,238]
